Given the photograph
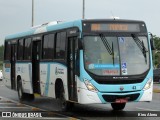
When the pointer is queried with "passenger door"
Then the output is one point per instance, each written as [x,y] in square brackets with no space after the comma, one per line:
[13,61]
[36,50]
[72,83]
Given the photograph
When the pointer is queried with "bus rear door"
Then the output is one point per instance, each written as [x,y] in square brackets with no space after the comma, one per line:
[36,50]
[13,61]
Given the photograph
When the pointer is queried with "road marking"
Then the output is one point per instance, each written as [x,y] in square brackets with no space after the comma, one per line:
[146,109]
[21,103]
[8,103]
[32,109]
[13,107]
[48,118]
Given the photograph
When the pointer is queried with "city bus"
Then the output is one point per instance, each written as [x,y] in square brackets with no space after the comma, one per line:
[94,61]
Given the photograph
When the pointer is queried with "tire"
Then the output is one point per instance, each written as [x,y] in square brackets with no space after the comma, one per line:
[23,96]
[118,106]
[30,97]
[65,105]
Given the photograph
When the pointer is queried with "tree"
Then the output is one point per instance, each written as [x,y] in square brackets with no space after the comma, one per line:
[156,53]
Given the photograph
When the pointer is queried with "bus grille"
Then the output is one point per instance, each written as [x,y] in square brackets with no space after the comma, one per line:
[119,81]
[112,98]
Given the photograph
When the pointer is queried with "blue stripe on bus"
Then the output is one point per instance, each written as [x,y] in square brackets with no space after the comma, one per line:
[47,81]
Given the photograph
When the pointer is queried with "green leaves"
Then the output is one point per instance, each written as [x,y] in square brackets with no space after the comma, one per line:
[156,53]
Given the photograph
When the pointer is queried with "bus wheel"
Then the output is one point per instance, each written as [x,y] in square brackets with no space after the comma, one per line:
[21,95]
[65,105]
[118,106]
[30,97]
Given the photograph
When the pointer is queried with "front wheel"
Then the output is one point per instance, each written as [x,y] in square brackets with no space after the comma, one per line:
[65,105]
[118,106]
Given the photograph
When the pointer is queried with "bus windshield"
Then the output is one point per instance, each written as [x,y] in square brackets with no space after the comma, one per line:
[115,56]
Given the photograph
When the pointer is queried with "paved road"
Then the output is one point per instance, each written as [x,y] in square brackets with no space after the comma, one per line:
[99,111]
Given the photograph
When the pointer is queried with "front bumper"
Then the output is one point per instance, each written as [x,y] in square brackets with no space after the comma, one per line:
[88,97]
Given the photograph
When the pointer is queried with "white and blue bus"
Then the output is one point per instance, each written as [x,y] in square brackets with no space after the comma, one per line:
[84,61]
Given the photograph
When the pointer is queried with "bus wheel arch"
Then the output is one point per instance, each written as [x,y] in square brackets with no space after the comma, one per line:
[60,94]
[58,85]
[21,95]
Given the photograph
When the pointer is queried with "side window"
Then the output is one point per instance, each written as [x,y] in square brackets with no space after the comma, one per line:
[27,49]
[51,46]
[60,45]
[48,46]
[7,55]
[20,49]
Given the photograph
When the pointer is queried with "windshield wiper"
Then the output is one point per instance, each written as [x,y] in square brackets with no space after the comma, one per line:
[140,46]
[107,46]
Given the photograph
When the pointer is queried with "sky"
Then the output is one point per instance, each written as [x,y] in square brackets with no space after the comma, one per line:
[15,15]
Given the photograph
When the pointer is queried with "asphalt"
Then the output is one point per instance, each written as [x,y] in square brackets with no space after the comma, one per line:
[50,107]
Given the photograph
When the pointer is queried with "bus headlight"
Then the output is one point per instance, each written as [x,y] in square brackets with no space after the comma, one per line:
[148,84]
[90,86]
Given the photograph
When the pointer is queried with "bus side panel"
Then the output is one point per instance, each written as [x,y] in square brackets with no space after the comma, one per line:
[46,80]
[24,70]
[7,74]
[49,73]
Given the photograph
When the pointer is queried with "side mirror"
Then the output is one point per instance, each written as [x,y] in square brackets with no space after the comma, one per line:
[152,42]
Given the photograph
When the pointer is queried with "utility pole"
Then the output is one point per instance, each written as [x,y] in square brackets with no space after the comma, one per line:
[83,11]
[32,13]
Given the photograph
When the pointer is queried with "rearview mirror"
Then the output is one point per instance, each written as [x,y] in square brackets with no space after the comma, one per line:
[152,42]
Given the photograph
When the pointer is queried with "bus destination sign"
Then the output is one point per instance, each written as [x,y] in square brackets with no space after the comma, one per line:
[115,27]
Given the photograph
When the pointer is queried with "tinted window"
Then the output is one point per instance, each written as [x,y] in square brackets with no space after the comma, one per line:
[48,46]
[27,49]
[60,45]
[7,51]
[20,49]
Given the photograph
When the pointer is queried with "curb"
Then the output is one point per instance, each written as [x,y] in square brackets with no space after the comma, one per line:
[156,90]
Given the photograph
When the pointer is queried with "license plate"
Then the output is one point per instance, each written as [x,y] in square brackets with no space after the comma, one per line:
[121,100]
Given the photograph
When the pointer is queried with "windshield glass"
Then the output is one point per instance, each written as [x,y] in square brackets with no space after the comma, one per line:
[114,56]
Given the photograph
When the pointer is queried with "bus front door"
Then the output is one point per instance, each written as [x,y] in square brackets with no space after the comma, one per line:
[72,83]
[13,61]
[36,50]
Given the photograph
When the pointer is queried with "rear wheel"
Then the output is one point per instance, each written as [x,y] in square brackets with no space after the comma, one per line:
[21,95]
[118,106]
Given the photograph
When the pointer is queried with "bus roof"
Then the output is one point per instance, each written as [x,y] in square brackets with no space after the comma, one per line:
[62,25]
[46,28]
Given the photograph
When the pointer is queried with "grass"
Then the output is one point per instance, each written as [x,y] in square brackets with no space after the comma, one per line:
[1,65]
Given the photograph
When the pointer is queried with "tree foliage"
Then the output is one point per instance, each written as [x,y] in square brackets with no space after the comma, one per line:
[156,53]
[1,52]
